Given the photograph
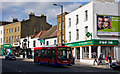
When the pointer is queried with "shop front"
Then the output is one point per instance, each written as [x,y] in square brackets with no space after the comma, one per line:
[83,50]
[16,49]
[6,49]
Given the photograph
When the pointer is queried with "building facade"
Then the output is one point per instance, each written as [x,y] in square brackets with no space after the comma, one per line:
[59,27]
[15,31]
[34,25]
[50,37]
[84,36]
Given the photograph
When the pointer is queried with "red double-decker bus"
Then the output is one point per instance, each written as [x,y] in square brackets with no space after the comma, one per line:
[55,56]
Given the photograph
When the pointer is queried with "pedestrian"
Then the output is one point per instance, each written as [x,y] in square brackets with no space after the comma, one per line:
[110,60]
[106,62]
[23,55]
[100,59]
[95,58]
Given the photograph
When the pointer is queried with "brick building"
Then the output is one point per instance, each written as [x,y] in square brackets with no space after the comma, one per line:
[15,31]
[59,27]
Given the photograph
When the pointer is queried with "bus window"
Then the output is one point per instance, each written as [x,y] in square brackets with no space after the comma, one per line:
[36,53]
[53,54]
[49,54]
[39,53]
[45,54]
[42,53]
[64,54]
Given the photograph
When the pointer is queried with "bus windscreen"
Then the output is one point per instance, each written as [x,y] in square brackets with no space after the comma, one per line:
[64,53]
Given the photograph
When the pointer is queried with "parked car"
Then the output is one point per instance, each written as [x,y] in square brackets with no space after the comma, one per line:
[115,65]
[10,57]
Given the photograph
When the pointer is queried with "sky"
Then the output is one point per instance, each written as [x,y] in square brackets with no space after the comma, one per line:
[21,8]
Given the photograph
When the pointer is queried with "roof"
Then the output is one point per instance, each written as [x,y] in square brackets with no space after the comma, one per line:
[54,34]
[40,33]
[50,33]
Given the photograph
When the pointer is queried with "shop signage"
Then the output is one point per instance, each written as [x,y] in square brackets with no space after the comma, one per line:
[106,42]
[88,34]
[93,42]
[42,40]
[16,44]
[6,45]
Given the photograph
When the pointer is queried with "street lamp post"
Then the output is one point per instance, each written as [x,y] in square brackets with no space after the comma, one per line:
[61,21]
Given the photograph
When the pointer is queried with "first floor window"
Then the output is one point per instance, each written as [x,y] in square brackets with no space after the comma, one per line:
[9,39]
[4,39]
[12,39]
[77,34]
[1,40]
[47,43]
[54,42]
[107,50]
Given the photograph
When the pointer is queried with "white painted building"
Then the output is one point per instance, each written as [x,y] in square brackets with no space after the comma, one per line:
[51,41]
[33,42]
[84,20]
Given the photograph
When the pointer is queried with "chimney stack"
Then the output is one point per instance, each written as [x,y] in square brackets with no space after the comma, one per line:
[15,20]
[31,15]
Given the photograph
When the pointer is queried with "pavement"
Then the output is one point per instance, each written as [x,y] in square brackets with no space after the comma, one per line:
[76,63]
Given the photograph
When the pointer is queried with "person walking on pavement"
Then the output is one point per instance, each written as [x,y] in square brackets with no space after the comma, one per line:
[106,62]
[95,58]
[110,60]
[100,59]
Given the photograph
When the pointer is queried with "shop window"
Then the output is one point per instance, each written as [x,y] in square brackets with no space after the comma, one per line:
[78,53]
[94,49]
[85,52]
[109,50]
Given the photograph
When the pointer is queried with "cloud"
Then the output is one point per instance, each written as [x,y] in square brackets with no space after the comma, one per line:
[46,0]
[72,7]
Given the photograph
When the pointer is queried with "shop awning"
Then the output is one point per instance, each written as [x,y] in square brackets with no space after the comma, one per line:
[93,42]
